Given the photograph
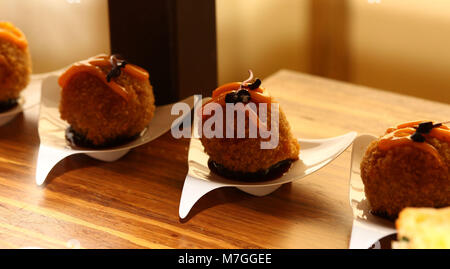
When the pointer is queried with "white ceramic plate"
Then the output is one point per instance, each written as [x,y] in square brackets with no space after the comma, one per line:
[54,146]
[314,154]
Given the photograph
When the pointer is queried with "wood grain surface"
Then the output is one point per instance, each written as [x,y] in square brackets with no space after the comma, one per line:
[133,202]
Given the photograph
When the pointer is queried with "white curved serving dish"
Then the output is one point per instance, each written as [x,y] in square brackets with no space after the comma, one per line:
[54,147]
[314,154]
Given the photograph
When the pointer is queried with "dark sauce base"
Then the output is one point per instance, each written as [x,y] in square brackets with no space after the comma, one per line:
[273,172]
[79,140]
[385,242]
[384,215]
[8,105]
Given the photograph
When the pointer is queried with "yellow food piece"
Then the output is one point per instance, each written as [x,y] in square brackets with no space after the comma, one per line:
[423,228]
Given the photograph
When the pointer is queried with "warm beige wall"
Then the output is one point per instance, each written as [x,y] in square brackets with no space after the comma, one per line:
[264,35]
[60,32]
[403,46]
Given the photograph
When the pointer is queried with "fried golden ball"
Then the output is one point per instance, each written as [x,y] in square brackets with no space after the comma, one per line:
[95,111]
[406,176]
[15,62]
[246,155]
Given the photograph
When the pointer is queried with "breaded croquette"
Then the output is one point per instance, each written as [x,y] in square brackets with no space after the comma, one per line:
[408,167]
[106,100]
[244,158]
[15,63]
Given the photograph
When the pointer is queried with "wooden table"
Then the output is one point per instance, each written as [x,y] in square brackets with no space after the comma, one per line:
[133,202]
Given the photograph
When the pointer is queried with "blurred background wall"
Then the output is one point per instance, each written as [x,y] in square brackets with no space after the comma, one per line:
[264,35]
[395,45]
[60,32]
[401,46]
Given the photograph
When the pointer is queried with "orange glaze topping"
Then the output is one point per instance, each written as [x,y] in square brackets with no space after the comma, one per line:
[259,95]
[9,32]
[92,66]
[401,135]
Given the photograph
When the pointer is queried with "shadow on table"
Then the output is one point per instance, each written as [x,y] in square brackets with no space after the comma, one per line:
[228,195]
[70,163]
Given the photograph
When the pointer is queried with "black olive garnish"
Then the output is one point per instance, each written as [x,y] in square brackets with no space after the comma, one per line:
[417,137]
[255,85]
[117,64]
[423,128]
[115,72]
[243,96]
[231,97]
